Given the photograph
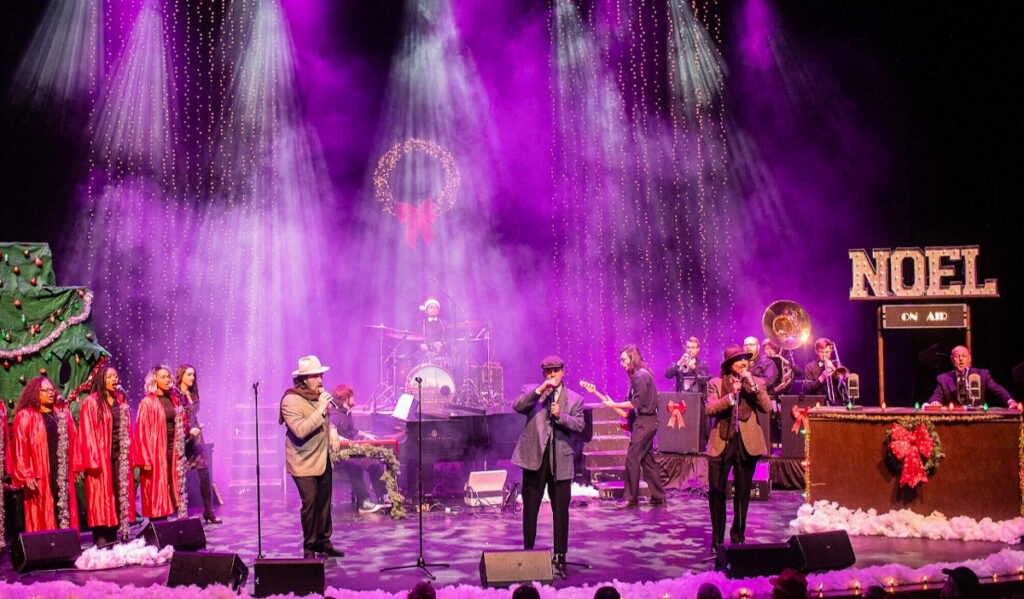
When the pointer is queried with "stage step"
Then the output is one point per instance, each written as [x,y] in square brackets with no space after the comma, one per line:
[614,489]
[604,458]
[603,413]
[608,429]
[604,474]
[606,443]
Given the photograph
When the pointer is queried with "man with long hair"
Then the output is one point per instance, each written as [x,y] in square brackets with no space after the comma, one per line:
[355,470]
[304,412]
[643,399]
[45,457]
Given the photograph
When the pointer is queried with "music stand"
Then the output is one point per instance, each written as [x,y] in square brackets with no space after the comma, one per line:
[421,563]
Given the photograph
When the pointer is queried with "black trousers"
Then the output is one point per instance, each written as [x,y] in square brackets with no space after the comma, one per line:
[734,457]
[640,457]
[315,492]
[354,471]
[205,489]
[560,492]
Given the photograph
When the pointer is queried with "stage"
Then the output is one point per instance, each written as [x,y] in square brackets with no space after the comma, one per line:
[629,546]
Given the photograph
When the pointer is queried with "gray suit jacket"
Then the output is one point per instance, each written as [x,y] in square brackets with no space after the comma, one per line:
[307,438]
[529,451]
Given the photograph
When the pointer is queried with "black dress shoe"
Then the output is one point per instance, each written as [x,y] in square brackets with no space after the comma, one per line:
[657,503]
[330,551]
[212,518]
[558,565]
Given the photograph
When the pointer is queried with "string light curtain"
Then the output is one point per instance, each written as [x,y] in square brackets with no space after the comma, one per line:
[639,171]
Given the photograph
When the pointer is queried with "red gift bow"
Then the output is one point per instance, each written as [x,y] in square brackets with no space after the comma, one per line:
[676,411]
[799,418]
[417,221]
[909,447]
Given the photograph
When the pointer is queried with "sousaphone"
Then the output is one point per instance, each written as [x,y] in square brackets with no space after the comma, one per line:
[786,324]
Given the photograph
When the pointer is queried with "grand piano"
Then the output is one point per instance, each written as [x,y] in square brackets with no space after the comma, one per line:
[477,440]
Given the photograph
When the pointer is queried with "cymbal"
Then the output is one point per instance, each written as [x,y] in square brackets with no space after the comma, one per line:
[381,326]
[403,335]
[472,324]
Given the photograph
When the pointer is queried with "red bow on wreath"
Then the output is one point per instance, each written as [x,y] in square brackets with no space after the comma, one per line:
[417,221]
[676,411]
[909,446]
[799,418]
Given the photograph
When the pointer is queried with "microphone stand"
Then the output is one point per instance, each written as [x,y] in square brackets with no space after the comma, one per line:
[421,563]
[259,499]
[554,470]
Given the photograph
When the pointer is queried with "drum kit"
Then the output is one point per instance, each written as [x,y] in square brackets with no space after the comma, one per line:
[452,371]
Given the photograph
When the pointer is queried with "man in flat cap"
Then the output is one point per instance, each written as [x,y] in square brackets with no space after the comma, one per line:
[553,413]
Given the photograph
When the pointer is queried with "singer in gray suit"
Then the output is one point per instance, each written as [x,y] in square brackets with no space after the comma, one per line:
[304,411]
[553,413]
[956,386]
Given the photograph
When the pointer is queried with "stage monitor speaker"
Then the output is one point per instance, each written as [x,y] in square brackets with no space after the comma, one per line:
[760,487]
[185,534]
[46,549]
[485,487]
[748,561]
[283,576]
[793,442]
[821,551]
[673,438]
[505,568]
[203,569]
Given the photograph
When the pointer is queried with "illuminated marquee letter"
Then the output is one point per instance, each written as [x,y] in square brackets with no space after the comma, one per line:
[877,276]
[919,284]
[990,289]
[937,270]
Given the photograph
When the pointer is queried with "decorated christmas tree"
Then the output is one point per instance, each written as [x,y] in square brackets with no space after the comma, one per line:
[44,329]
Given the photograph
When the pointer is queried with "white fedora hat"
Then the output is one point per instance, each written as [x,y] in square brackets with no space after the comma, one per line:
[309,365]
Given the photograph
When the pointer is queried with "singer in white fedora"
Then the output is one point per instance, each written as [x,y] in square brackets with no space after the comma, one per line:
[304,410]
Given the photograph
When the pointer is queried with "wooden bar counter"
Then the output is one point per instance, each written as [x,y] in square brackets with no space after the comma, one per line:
[979,477]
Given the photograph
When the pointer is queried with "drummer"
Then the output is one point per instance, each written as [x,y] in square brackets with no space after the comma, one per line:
[435,331]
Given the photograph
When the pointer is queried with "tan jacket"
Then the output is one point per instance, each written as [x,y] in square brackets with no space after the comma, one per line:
[720,411]
[308,434]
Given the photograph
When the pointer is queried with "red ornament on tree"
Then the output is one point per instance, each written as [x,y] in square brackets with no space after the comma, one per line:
[16,270]
[88,336]
[17,303]
[42,371]
[7,365]
[38,262]
[32,281]
[26,253]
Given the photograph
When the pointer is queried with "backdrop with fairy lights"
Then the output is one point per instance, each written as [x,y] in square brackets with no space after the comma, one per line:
[243,182]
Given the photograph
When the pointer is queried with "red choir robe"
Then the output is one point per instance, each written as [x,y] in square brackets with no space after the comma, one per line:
[94,424]
[149,448]
[32,460]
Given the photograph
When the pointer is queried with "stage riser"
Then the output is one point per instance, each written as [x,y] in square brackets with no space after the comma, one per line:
[607,444]
[608,429]
[601,475]
[605,414]
[604,458]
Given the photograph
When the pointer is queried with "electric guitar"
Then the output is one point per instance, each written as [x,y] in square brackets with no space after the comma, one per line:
[627,417]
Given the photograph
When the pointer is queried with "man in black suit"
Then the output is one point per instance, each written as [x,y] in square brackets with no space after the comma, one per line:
[955,386]
[553,413]
[692,374]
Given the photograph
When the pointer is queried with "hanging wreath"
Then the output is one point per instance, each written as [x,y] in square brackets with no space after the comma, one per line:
[382,175]
[391,470]
[913,450]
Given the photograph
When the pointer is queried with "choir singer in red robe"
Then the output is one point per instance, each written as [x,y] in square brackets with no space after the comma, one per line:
[104,427]
[159,447]
[45,444]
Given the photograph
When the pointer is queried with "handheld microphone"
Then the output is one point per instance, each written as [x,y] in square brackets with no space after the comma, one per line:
[419,380]
[974,387]
[331,400]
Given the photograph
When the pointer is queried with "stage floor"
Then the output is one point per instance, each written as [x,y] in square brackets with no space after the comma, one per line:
[630,546]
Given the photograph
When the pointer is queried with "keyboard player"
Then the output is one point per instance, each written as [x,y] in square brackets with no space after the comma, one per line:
[355,470]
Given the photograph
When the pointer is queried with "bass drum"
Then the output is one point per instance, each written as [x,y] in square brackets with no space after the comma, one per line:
[438,386]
